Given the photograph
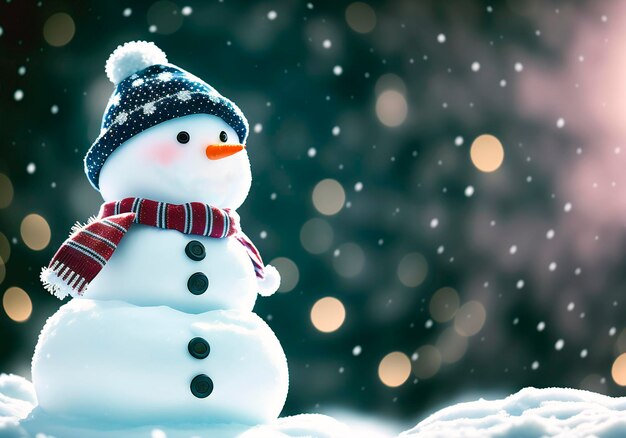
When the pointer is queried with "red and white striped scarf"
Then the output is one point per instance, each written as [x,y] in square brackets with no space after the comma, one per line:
[83,255]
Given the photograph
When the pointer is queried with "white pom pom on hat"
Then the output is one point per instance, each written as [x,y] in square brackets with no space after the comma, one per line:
[132,57]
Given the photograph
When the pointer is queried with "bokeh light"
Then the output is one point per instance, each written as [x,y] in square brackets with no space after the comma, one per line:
[427,363]
[487,153]
[3,270]
[350,260]
[361,17]
[5,248]
[444,304]
[394,369]
[328,314]
[390,81]
[618,370]
[289,273]
[316,236]
[451,345]
[17,304]
[391,108]
[412,269]
[59,29]
[329,197]
[35,232]
[6,191]
[470,318]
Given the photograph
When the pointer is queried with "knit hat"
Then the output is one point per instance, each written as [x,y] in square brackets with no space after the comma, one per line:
[149,91]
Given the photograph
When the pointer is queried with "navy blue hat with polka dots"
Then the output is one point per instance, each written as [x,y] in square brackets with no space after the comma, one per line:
[149,91]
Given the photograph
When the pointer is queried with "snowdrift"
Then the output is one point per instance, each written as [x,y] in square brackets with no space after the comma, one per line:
[532,412]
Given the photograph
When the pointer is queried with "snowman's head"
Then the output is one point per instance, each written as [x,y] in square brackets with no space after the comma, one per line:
[195,158]
[167,135]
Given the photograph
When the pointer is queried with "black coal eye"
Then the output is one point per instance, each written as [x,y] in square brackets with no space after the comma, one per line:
[223,137]
[183,137]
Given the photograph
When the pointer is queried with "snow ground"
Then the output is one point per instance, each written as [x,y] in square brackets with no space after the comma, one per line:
[553,412]
[532,412]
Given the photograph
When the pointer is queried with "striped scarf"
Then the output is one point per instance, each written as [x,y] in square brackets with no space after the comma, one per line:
[83,255]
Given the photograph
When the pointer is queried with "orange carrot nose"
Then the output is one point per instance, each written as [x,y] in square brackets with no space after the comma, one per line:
[219,151]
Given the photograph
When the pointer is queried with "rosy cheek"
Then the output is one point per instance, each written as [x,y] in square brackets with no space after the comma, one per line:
[164,154]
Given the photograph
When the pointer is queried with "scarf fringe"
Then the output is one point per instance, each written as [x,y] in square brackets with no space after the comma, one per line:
[61,281]
[78,226]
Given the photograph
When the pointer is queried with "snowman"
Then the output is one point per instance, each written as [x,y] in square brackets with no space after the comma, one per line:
[164,280]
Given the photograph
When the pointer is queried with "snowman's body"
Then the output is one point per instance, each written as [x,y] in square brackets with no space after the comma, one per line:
[165,331]
[151,267]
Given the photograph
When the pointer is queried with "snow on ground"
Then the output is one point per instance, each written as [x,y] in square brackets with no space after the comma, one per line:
[554,412]
[532,412]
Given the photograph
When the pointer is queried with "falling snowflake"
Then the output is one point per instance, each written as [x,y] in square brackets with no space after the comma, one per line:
[121,118]
[149,108]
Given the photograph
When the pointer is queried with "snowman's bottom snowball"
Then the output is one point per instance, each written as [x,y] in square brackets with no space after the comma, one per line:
[116,363]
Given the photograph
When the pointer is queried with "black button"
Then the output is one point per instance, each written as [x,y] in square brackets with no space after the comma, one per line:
[198,348]
[198,283]
[195,250]
[201,386]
